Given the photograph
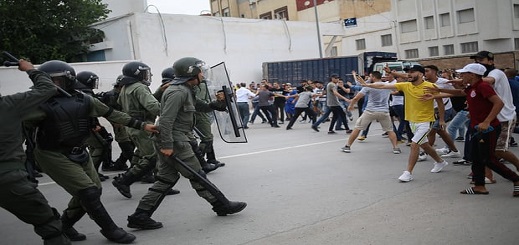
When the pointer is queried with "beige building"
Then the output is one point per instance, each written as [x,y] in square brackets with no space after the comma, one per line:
[295,9]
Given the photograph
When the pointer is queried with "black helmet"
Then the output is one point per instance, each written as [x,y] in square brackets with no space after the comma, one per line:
[187,68]
[139,71]
[89,79]
[118,81]
[61,72]
[168,75]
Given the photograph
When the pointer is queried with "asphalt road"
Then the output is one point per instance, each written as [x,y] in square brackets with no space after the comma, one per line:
[301,189]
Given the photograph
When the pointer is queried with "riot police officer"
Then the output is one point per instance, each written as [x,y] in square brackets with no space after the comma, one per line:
[100,141]
[137,100]
[178,105]
[63,126]
[202,122]
[18,195]
[121,136]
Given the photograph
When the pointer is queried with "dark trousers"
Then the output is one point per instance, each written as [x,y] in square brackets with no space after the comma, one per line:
[243,108]
[338,113]
[279,107]
[270,113]
[483,146]
[309,111]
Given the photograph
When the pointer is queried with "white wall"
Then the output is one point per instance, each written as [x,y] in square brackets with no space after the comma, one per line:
[12,80]
[243,44]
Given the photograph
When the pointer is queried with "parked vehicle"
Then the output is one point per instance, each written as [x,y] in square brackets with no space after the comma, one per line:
[294,71]
[398,66]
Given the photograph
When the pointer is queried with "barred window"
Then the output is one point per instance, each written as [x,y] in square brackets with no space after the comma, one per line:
[428,22]
[433,51]
[466,16]
[445,19]
[411,54]
[387,40]
[408,26]
[361,44]
[471,47]
[448,49]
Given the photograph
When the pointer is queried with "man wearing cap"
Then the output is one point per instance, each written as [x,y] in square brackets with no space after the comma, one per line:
[419,113]
[507,115]
[484,108]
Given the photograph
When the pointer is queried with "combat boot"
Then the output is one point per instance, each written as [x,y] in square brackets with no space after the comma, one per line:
[122,182]
[90,199]
[228,207]
[208,167]
[142,220]
[68,229]
[120,165]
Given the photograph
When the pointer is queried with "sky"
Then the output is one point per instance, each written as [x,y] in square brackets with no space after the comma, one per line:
[191,7]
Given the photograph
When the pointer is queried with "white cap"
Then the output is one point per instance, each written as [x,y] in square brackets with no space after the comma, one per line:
[475,68]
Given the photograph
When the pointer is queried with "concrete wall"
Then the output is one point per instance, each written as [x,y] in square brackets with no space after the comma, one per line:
[243,44]
[12,80]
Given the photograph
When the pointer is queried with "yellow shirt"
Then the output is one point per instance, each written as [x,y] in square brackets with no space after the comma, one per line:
[416,110]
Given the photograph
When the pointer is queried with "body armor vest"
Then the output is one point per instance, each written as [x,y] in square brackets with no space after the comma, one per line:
[67,124]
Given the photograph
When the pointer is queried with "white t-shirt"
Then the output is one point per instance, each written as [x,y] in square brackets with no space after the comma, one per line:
[243,95]
[396,99]
[502,88]
[444,83]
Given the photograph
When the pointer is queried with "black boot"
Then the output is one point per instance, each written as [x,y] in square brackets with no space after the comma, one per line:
[223,208]
[102,177]
[68,229]
[90,200]
[122,182]
[142,220]
[120,165]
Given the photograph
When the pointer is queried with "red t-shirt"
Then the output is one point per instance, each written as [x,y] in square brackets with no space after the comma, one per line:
[479,105]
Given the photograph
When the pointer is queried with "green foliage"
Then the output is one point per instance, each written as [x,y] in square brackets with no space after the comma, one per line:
[42,30]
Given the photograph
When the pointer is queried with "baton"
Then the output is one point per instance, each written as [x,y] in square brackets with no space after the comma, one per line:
[15,62]
[203,181]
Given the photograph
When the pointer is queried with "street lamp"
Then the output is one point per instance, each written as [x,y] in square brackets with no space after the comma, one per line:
[317,25]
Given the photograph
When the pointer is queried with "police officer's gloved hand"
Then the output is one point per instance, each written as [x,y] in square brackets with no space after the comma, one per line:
[218,105]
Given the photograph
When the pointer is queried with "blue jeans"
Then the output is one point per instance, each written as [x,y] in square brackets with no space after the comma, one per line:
[458,123]
[325,116]
[243,108]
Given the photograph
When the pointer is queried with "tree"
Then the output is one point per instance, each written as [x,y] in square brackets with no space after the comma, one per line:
[42,30]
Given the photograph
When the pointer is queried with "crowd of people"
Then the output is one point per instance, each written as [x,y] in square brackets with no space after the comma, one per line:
[412,107]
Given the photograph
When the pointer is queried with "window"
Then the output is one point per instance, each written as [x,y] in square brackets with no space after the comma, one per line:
[411,53]
[445,19]
[408,26]
[361,44]
[266,16]
[226,12]
[471,47]
[466,16]
[433,51]
[281,13]
[516,10]
[516,43]
[429,22]
[387,40]
[448,49]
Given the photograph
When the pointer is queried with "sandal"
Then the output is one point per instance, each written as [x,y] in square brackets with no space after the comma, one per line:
[471,191]
[516,191]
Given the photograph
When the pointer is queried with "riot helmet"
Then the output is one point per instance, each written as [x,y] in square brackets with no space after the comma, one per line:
[168,75]
[61,73]
[138,71]
[89,79]
[187,68]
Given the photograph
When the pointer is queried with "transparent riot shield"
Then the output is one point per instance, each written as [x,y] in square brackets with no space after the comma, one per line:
[229,122]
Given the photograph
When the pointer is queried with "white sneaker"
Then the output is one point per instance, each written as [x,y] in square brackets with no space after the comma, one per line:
[422,156]
[438,166]
[443,150]
[452,154]
[405,177]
